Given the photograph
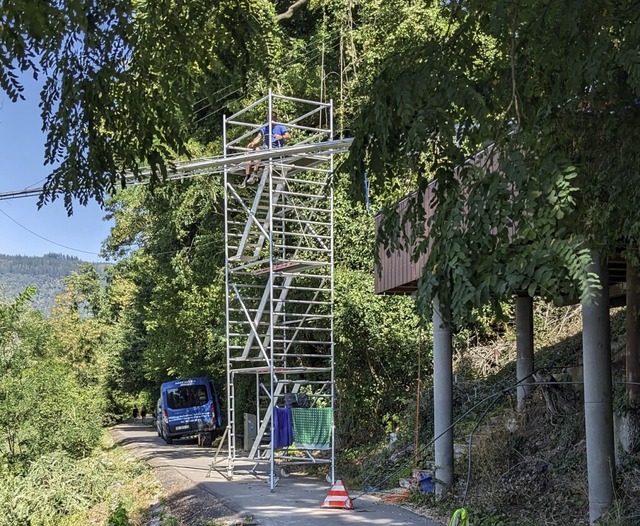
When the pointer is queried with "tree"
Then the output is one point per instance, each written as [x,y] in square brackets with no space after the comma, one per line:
[173,320]
[45,407]
[553,88]
[376,368]
[53,410]
[80,325]
[121,79]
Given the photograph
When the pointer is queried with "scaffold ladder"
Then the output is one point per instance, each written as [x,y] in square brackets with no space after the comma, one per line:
[279,272]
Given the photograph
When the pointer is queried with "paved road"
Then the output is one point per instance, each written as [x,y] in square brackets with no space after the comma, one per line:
[295,501]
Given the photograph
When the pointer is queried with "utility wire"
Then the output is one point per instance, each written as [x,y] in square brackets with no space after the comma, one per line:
[305,59]
[431,442]
[468,482]
[217,109]
[46,239]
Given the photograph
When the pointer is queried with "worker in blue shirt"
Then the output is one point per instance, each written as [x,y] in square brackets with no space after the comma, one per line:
[279,134]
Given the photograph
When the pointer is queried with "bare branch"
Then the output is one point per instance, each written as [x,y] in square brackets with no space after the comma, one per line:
[292,9]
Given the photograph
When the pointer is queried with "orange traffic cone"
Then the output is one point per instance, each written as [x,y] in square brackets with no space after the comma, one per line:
[338,497]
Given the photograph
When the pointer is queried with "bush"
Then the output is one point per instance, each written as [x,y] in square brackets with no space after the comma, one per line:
[53,486]
[58,489]
[53,411]
[119,516]
[376,358]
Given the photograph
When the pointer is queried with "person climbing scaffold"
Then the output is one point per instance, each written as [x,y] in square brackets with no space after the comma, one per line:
[274,135]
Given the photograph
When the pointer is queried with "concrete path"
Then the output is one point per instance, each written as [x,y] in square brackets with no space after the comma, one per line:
[295,501]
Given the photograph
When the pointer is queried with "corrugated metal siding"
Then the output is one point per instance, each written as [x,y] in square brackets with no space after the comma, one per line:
[396,273]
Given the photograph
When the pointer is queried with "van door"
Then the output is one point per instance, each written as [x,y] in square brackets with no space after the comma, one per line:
[216,404]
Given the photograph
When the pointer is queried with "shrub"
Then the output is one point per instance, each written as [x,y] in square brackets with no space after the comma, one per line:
[52,410]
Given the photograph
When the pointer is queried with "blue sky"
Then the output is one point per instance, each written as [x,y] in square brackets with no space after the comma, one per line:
[24,229]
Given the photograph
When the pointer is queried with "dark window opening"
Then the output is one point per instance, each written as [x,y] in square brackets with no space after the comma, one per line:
[187,396]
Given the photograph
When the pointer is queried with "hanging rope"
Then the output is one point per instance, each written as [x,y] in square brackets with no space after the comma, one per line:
[323,86]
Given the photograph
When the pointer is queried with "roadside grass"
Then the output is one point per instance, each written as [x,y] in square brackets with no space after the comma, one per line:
[130,493]
[106,487]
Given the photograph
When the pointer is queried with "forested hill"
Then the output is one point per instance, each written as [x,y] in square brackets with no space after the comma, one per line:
[44,272]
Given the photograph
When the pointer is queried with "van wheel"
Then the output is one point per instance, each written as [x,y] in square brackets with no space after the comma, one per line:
[168,439]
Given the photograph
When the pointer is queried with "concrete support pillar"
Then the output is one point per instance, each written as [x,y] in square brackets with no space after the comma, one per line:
[633,334]
[524,347]
[442,401]
[598,411]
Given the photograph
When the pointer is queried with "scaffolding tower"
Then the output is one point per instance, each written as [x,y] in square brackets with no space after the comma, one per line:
[279,279]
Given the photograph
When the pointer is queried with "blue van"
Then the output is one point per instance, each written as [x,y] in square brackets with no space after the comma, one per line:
[187,408]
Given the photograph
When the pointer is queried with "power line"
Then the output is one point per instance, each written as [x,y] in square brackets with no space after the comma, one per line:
[32,192]
[46,239]
[304,59]
[201,167]
[307,57]
[216,102]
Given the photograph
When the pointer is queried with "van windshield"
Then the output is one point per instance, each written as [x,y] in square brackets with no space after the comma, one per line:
[187,396]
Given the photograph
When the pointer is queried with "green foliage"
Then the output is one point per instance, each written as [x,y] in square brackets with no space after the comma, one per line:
[488,255]
[121,78]
[45,407]
[354,231]
[58,489]
[488,518]
[51,410]
[552,87]
[77,336]
[53,486]
[167,297]
[119,516]
[375,357]
[46,273]
[86,282]
[164,321]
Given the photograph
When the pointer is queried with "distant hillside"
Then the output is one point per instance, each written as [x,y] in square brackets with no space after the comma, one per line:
[44,272]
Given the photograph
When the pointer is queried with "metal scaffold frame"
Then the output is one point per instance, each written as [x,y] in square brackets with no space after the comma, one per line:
[279,280]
